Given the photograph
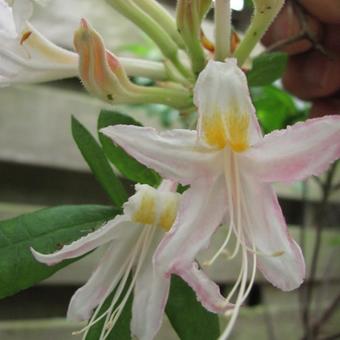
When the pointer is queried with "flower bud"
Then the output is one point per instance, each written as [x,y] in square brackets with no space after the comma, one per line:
[100,71]
[103,75]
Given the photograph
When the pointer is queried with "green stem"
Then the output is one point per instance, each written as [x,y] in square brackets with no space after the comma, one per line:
[159,14]
[179,99]
[144,68]
[222,29]
[184,71]
[189,18]
[264,13]
[155,31]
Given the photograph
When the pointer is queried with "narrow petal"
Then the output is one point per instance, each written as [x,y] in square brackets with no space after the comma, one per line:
[150,297]
[208,293]
[280,258]
[297,152]
[174,154]
[15,69]
[31,58]
[201,211]
[113,229]
[106,276]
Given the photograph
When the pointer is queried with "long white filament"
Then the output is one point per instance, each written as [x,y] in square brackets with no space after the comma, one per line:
[146,240]
[135,258]
[235,199]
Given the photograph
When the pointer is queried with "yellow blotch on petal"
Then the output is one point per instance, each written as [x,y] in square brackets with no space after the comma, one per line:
[238,125]
[214,130]
[146,213]
[155,208]
[229,129]
[168,213]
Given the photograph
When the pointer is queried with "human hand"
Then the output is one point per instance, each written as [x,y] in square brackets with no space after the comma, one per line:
[309,31]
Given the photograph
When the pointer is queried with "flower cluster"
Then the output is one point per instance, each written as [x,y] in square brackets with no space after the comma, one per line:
[227,164]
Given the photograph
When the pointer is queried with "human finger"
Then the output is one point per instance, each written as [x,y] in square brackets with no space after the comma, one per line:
[312,75]
[287,25]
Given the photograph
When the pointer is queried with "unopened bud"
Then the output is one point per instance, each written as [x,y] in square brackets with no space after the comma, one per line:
[104,76]
[100,71]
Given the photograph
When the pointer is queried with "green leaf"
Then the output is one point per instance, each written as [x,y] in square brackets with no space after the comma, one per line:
[189,319]
[274,107]
[46,230]
[99,165]
[121,329]
[126,164]
[267,68]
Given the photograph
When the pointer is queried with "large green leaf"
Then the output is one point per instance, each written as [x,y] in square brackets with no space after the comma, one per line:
[45,230]
[267,68]
[101,168]
[121,329]
[189,319]
[127,165]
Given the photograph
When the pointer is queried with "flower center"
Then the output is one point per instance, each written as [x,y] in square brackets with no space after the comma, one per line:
[155,207]
[229,129]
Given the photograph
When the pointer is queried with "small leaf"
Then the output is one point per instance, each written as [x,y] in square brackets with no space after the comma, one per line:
[46,230]
[275,108]
[99,165]
[126,164]
[267,68]
[187,316]
[121,329]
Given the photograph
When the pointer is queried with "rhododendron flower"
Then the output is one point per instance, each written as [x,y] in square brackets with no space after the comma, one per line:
[26,55]
[229,166]
[131,240]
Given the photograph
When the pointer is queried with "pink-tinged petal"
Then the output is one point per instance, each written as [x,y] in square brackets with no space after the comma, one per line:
[297,152]
[279,257]
[150,296]
[201,211]
[207,291]
[112,230]
[167,185]
[174,154]
[107,274]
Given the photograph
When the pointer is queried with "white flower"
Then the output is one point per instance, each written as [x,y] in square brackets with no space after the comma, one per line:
[131,240]
[26,55]
[229,166]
